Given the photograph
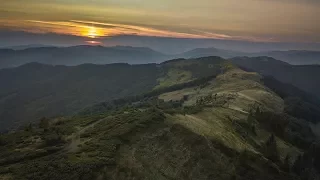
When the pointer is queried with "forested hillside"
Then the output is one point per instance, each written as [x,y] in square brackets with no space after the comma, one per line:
[35,90]
[305,77]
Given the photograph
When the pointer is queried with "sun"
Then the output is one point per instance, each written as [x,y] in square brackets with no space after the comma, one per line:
[92,32]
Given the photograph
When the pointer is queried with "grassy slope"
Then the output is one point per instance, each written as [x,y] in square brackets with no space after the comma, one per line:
[185,70]
[174,76]
[240,90]
[131,144]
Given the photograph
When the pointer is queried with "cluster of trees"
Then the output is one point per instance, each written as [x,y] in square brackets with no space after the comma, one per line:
[293,130]
[270,149]
[53,139]
[209,99]
[216,100]
[50,135]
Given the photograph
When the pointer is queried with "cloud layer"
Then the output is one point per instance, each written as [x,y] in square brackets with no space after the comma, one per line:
[251,20]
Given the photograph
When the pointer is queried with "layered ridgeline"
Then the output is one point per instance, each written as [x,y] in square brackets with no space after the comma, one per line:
[294,57]
[35,90]
[204,119]
[76,55]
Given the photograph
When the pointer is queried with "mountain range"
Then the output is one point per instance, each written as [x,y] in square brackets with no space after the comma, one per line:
[23,47]
[77,55]
[294,57]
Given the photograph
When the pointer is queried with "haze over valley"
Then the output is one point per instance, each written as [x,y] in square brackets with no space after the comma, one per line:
[82,54]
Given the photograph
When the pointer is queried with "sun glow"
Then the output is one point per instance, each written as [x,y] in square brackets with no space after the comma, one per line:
[92,32]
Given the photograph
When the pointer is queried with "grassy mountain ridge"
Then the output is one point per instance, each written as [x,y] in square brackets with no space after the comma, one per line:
[231,126]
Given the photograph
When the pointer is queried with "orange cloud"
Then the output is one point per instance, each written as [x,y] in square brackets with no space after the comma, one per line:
[94,30]
[123,29]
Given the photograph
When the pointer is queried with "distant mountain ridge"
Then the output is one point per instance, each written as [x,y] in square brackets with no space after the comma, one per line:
[22,47]
[295,57]
[76,55]
[203,52]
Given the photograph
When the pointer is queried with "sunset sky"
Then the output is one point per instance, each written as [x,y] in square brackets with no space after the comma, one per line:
[244,20]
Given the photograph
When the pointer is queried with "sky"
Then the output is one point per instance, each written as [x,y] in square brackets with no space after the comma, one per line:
[96,21]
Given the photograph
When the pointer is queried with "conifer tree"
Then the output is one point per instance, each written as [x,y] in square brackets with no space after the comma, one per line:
[286,163]
[270,149]
[44,123]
